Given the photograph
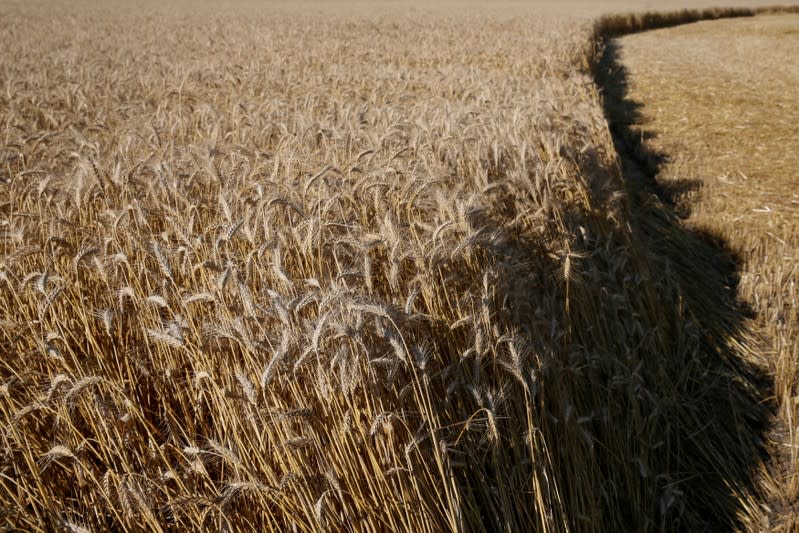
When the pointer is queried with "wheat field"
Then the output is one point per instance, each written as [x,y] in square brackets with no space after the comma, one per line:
[352,267]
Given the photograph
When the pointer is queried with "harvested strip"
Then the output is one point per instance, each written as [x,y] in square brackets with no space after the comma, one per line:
[719,100]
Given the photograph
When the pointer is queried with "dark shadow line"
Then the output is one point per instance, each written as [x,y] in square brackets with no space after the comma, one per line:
[708,272]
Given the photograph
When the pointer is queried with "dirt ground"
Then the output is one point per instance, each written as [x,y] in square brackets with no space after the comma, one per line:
[717,104]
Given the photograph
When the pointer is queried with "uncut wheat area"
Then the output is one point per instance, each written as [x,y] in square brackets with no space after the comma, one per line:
[321,269]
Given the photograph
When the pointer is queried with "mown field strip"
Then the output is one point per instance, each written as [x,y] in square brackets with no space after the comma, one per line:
[719,101]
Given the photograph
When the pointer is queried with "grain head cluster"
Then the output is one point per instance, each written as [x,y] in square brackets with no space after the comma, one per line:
[348,274]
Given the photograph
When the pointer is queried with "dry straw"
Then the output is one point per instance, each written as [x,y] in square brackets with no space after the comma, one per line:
[347,219]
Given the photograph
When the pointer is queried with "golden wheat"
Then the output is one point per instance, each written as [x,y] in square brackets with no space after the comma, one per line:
[281,272]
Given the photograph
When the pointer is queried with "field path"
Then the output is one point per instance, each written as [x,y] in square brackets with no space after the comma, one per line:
[711,111]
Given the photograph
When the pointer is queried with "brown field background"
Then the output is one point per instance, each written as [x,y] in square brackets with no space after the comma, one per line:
[375,267]
[584,9]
